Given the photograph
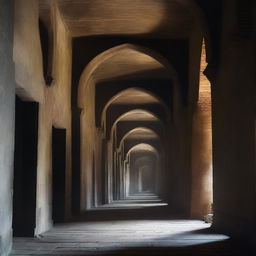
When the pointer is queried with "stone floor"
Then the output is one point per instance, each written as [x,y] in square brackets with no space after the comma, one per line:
[120,233]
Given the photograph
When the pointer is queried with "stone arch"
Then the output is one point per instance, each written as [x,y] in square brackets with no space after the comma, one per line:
[101,58]
[143,146]
[155,126]
[123,92]
[133,111]
[138,129]
[132,172]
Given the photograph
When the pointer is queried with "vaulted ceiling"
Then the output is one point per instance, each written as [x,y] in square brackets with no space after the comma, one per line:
[163,18]
[130,62]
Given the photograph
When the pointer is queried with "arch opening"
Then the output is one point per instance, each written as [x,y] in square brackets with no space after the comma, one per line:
[122,112]
[202,172]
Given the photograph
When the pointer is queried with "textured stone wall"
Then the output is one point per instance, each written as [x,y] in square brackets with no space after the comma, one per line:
[7,106]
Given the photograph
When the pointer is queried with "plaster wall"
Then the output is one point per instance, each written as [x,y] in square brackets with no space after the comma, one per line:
[234,133]
[55,111]
[90,148]
[54,107]
[7,106]
[27,51]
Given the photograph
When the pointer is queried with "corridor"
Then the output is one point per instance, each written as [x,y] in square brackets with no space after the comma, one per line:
[128,127]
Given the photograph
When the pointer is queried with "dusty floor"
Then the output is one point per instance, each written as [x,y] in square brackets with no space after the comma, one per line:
[118,232]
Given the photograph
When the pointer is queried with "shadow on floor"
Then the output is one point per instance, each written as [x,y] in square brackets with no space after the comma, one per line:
[153,231]
[207,249]
[144,213]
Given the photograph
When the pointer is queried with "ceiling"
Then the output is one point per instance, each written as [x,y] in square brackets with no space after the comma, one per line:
[158,18]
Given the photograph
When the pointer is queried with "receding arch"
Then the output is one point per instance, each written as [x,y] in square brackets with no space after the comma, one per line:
[134,111]
[138,156]
[138,129]
[127,91]
[101,58]
[143,147]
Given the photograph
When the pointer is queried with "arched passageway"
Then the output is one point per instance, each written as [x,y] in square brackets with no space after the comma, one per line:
[139,112]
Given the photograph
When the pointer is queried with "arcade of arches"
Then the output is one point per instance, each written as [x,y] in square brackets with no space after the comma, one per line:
[136,116]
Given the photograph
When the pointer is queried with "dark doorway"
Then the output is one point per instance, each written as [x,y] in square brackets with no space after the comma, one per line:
[25,167]
[58,174]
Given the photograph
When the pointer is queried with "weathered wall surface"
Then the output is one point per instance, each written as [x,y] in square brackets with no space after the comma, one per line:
[234,132]
[91,154]
[88,145]
[54,101]
[27,51]
[7,106]
[55,111]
